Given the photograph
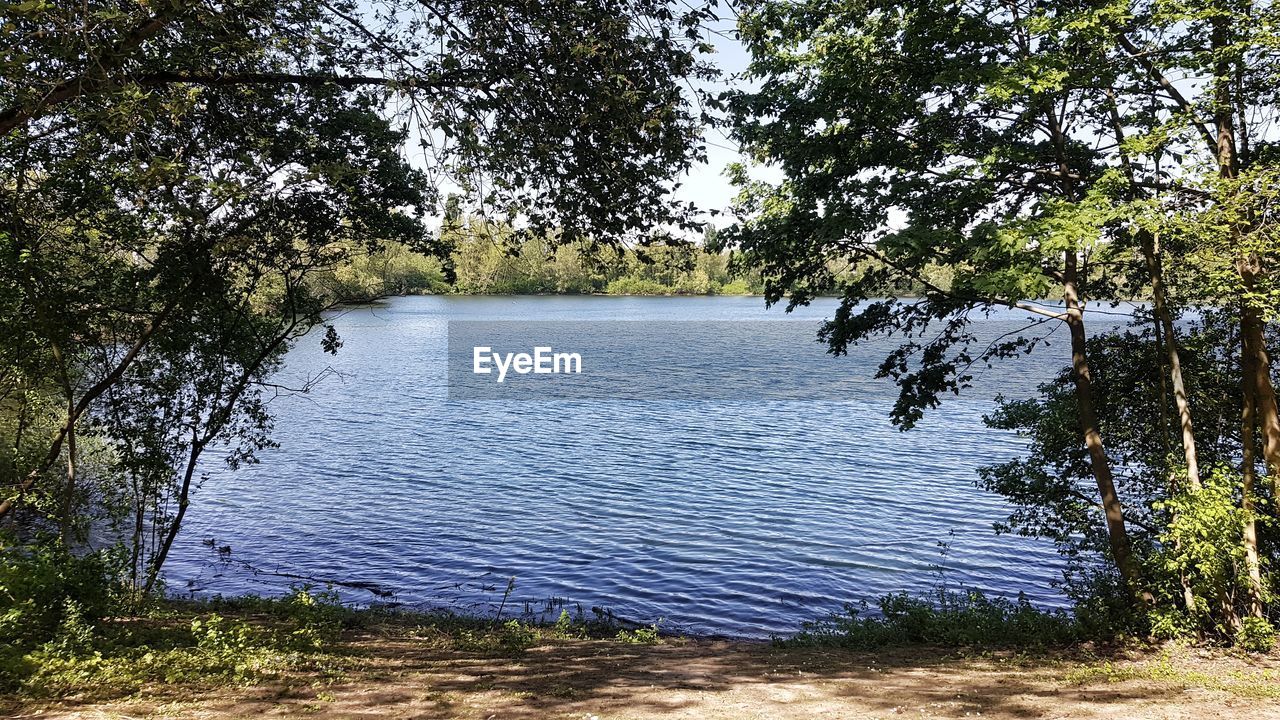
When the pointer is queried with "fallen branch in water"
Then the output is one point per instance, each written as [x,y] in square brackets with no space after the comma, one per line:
[224,556]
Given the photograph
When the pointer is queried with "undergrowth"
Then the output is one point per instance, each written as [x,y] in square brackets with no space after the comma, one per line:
[947,618]
[245,640]
[217,642]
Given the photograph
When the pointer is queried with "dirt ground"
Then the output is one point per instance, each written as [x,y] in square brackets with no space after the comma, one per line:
[608,680]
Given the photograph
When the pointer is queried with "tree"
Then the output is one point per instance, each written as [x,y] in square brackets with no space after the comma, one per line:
[177,175]
[1190,540]
[1033,149]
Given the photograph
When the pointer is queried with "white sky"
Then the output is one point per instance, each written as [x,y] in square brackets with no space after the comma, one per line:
[706,185]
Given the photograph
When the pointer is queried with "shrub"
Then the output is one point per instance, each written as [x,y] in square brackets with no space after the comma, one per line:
[640,636]
[317,618]
[736,287]
[636,286]
[952,619]
[564,623]
[511,638]
[1256,635]
[42,586]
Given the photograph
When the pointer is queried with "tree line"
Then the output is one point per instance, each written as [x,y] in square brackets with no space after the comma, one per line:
[481,257]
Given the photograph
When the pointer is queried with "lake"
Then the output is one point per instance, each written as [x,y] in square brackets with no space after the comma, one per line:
[722,512]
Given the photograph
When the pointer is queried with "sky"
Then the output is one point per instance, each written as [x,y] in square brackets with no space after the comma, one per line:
[706,185]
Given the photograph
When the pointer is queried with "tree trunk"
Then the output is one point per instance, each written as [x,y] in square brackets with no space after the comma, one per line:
[1259,394]
[20,431]
[171,533]
[67,503]
[1164,387]
[1117,534]
[1188,595]
[1249,267]
[69,490]
[139,520]
[1248,472]
[1259,377]
[1160,306]
[217,419]
[60,436]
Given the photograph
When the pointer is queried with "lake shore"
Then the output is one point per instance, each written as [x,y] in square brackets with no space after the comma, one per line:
[405,665]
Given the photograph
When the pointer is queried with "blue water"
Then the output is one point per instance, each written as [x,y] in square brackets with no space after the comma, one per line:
[720,515]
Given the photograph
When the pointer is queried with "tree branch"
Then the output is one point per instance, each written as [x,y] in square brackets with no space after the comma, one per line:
[1167,85]
[20,115]
[219,80]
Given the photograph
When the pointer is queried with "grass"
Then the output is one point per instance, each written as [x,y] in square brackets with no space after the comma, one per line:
[310,655]
[243,641]
[948,619]
[1263,685]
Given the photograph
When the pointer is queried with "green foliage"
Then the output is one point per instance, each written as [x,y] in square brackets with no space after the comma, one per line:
[948,618]
[47,593]
[509,639]
[213,651]
[239,641]
[393,269]
[1186,540]
[214,634]
[637,286]
[1202,548]
[188,188]
[641,635]
[566,627]
[316,618]
[1256,635]
[1030,151]
[491,259]
[516,637]
[243,639]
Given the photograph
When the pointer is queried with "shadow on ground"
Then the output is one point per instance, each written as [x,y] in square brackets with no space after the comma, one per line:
[398,676]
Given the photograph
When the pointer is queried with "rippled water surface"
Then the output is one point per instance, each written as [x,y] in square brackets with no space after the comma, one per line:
[727,515]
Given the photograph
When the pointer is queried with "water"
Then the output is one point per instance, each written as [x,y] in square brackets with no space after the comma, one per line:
[719,515]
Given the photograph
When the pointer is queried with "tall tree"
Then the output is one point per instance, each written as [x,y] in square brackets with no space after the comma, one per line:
[173,172]
[1028,146]
[940,134]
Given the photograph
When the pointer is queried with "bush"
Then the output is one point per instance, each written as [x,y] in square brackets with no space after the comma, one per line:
[636,286]
[640,636]
[954,619]
[43,587]
[737,287]
[317,618]
[511,638]
[211,649]
[1256,635]
[51,602]
[392,270]
[251,638]
[309,618]
[1103,606]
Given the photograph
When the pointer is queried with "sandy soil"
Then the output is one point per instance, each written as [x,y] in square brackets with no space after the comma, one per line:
[399,677]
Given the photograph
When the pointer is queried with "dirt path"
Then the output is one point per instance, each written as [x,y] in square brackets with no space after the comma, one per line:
[608,680]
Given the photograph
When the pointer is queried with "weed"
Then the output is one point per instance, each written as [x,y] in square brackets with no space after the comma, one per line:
[640,636]
[952,619]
